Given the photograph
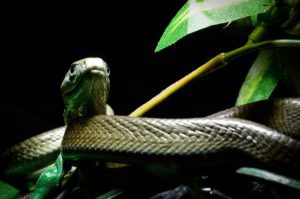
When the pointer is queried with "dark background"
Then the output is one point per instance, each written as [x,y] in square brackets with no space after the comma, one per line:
[40,41]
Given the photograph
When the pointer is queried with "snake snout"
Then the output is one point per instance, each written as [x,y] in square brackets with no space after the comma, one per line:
[96,66]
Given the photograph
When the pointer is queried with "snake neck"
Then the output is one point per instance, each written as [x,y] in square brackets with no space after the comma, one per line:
[84,109]
[88,100]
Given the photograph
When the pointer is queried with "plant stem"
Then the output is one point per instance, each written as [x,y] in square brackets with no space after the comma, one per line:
[257,34]
[229,56]
[213,64]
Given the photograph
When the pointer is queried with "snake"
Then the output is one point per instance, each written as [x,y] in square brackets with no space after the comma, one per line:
[266,132]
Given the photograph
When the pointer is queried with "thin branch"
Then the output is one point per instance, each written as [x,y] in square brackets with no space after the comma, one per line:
[229,56]
[213,64]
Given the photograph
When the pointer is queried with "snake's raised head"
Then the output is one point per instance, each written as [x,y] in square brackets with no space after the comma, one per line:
[85,88]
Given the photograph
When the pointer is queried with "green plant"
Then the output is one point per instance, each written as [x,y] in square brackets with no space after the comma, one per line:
[264,17]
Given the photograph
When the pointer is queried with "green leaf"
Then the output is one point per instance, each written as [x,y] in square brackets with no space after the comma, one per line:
[8,192]
[177,29]
[269,176]
[261,79]
[49,179]
[196,15]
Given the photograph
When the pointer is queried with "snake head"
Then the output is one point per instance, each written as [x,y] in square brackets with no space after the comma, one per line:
[85,88]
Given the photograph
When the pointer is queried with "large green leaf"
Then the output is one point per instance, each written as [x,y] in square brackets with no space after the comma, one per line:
[198,14]
[261,79]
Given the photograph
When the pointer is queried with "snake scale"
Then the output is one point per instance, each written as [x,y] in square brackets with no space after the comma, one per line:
[266,131]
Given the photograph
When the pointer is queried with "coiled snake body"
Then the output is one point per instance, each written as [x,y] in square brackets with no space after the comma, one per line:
[267,131]
[111,137]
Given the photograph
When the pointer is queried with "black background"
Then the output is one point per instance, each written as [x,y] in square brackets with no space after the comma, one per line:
[40,41]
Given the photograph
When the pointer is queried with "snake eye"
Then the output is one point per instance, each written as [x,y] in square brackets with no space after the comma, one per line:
[107,70]
[72,68]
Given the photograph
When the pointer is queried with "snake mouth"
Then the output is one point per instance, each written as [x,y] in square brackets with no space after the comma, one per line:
[87,79]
